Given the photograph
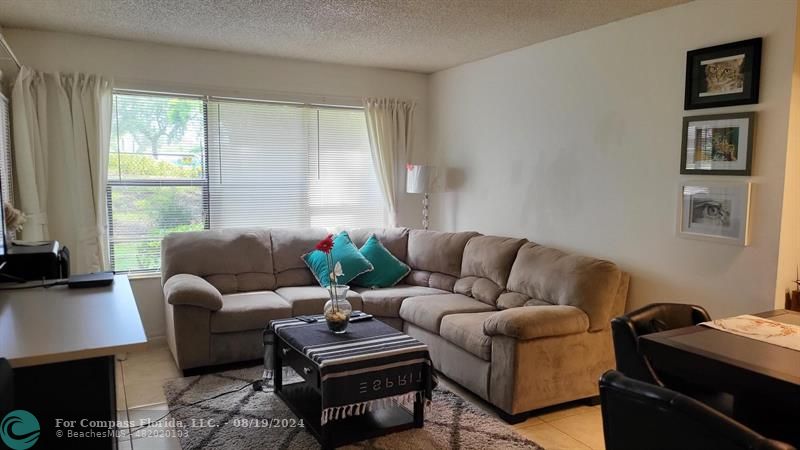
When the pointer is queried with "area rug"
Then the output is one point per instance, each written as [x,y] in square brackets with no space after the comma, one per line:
[232,421]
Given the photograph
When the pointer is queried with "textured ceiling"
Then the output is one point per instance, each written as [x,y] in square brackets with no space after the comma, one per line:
[415,35]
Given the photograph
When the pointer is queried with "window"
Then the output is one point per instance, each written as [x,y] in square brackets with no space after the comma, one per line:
[7,186]
[181,163]
[157,181]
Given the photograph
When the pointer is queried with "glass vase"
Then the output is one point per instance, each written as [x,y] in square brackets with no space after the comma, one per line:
[337,310]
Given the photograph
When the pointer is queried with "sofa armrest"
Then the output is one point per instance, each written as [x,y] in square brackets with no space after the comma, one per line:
[530,322]
[186,289]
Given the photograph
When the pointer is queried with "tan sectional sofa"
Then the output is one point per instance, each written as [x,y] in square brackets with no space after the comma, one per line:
[521,325]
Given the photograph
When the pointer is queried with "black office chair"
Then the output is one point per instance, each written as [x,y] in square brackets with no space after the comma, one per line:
[6,387]
[639,415]
[650,319]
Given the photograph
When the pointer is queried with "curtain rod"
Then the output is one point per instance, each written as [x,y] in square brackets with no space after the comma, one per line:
[10,52]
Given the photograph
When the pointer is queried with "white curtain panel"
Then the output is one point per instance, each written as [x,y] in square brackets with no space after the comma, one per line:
[62,126]
[389,125]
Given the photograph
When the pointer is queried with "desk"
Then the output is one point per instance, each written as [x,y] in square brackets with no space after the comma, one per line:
[763,378]
[61,343]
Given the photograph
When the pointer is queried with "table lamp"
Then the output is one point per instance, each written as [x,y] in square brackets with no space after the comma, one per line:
[420,180]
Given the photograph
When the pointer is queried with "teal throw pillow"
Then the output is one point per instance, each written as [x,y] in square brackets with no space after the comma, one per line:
[388,270]
[345,253]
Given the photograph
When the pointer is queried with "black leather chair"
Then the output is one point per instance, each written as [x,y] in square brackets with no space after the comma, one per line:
[6,387]
[650,319]
[639,415]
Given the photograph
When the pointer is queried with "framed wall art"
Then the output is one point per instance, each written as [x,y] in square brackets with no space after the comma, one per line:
[718,212]
[720,144]
[724,75]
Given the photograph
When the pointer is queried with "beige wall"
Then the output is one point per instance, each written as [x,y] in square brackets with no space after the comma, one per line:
[137,65]
[575,143]
[789,255]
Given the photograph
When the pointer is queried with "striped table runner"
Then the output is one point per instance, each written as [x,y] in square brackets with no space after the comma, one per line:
[371,366]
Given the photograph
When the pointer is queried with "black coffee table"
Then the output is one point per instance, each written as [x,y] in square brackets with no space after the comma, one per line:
[345,376]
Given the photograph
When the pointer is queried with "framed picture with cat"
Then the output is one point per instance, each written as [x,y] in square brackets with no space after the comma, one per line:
[723,75]
[720,144]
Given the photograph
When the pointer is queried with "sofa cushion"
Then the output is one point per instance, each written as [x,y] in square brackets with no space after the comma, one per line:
[435,280]
[344,253]
[490,257]
[552,276]
[386,271]
[427,311]
[466,331]
[385,302]
[394,239]
[248,311]
[311,299]
[288,247]
[531,322]
[435,251]
[231,260]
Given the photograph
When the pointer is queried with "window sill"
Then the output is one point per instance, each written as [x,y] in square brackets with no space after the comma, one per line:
[143,275]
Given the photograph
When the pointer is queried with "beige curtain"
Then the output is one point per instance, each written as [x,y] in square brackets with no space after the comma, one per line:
[62,126]
[389,125]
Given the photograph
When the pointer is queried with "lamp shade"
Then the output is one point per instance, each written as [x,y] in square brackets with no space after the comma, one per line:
[419,179]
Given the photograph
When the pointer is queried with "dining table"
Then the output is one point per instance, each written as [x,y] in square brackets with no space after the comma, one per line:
[763,378]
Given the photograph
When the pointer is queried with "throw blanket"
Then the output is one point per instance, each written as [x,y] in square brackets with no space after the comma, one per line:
[760,329]
[371,366]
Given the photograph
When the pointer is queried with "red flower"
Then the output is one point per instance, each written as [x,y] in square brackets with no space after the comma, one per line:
[325,245]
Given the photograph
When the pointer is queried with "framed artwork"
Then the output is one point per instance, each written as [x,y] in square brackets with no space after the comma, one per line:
[724,75]
[720,144]
[718,212]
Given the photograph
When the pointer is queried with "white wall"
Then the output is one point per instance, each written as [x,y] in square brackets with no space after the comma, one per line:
[136,65]
[789,255]
[575,143]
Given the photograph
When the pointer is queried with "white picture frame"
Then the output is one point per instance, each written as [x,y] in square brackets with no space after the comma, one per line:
[715,211]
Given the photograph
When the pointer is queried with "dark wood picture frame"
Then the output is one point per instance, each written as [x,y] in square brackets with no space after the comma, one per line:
[696,77]
[751,128]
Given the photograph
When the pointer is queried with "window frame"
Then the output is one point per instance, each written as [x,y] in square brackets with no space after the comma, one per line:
[175,182]
[206,181]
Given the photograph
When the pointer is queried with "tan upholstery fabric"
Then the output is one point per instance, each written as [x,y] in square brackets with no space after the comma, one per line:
[537,373]
[466,331]
[490,257]
[530,322]
[481,289]
[234,347]
[312,299]
[225,252]
[394,239]
[431,279]
[249,311]
[288,247]
[296,277]
[459,365]
[188,334]
[435,251]
[427,311]
[185,289]
[511,300]
[559,278]
[385,302]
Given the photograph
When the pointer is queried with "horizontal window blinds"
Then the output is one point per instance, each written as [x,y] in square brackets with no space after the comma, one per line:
[279,165]
[258,164]
[5,153]
[180,164]
[344,191]
[156,175]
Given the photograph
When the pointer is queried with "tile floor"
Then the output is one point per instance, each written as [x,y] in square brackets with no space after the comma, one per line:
[141,375]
